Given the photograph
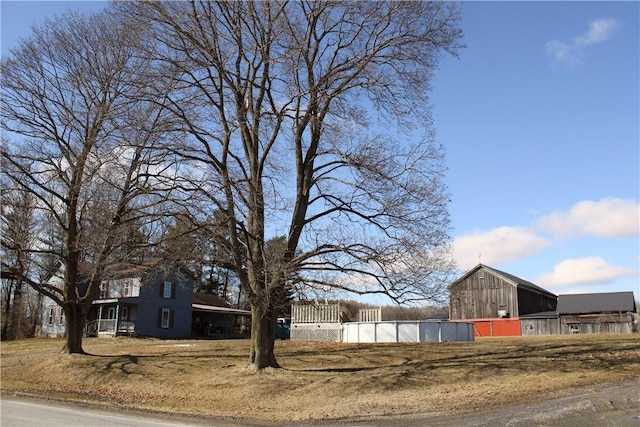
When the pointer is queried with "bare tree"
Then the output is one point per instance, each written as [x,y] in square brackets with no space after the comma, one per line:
[18,234]
[83,145]
[312,120]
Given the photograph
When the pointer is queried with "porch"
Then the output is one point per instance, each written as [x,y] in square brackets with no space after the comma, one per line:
[220,322]
[109,328]
[111,318]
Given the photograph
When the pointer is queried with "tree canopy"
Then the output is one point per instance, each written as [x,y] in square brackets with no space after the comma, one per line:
[302,129]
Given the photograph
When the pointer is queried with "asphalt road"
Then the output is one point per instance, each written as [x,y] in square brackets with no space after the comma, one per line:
[21,413]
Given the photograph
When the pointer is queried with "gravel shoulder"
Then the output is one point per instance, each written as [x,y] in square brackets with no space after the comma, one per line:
[610,405]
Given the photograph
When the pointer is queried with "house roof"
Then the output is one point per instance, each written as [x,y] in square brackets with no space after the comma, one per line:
[127,269]
[596,303]
[213,304]
[85,269]
[208,299]
[521,283]
[222,310]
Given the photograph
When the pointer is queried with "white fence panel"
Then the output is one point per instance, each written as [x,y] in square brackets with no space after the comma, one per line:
[409,331]
[366,332]
[386,332]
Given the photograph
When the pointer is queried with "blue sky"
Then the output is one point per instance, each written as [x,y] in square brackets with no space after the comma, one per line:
[540,118]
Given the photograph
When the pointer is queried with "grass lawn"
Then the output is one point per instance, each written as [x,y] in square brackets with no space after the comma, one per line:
[319,381]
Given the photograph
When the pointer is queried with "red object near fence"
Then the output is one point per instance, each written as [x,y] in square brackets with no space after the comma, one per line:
[495,327]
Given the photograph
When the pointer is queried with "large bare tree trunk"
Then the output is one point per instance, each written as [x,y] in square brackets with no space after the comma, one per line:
[16,316]
[263,338]
[75,319]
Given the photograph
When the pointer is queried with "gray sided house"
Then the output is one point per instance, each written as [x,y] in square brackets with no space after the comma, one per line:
[146,301]
[613,312]
[140,300]
[53,323]
[486,293]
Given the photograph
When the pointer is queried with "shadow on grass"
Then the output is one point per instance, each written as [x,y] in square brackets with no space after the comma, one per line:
[558,357]
[385,364]
[149,364]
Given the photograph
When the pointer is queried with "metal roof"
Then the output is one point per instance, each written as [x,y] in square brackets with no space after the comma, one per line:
[208,299]
[213,304]
[521,283]
[540,315]
[596,303]
[223,310]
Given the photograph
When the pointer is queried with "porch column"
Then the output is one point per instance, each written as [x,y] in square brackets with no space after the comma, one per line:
[115,332]
[99,317]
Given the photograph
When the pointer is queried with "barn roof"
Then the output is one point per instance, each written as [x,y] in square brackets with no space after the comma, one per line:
[540,315]
[521,283]
[596,303]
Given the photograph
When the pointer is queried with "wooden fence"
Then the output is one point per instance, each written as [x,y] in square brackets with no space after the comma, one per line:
[316,322]
[315,313]
[370,314]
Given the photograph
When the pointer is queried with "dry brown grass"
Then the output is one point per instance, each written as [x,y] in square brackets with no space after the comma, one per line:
[320,380]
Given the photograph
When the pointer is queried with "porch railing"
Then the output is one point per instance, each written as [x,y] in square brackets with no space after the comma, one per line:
[108,326]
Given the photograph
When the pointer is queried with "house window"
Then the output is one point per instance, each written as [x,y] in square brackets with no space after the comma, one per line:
[50,317]
[125,313]
[126,288]
[112,313]
[103,290]
[61,317]
[481,274]
[166,293]
[166,315]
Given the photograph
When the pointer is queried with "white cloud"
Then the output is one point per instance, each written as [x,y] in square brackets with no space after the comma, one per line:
[571,54]
[607,218]
[599,30]
[496,246]
[562,53]
[584,271]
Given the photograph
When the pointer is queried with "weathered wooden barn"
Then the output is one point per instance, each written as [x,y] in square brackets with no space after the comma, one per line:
[486,293]
[545,323]
[501,304]
[613,312]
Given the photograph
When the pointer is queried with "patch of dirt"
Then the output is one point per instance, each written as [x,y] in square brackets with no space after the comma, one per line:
[611,405]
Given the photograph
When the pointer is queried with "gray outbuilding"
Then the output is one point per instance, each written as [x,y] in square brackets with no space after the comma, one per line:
[612,312]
